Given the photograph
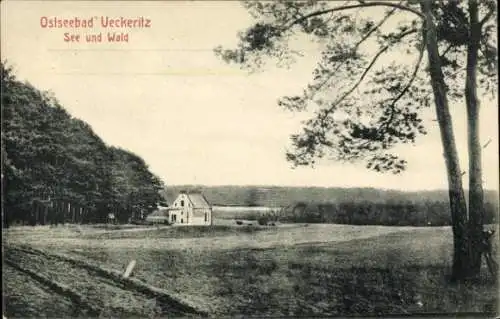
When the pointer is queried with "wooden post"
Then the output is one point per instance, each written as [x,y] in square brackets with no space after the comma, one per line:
[129,269]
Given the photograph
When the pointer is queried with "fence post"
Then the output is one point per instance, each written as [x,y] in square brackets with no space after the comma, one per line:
[129,269]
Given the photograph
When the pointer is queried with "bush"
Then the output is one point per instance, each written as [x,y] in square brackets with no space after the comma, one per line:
[263,220]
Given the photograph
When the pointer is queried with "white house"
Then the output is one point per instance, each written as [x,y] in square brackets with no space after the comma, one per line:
[190,209]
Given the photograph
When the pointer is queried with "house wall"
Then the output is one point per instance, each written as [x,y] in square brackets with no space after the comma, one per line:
[189,214]
[198,217]
[183,214]
[174,216]
[181,217]
[182,199]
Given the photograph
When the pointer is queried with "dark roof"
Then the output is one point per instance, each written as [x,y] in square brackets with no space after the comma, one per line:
[198,200]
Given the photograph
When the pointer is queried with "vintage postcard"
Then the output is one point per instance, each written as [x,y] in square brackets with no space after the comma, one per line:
[249,158]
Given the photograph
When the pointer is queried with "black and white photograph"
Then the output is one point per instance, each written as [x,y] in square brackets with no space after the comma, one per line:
[249,159]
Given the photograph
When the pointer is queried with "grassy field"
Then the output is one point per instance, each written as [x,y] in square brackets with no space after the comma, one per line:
[24,297]
[291,270]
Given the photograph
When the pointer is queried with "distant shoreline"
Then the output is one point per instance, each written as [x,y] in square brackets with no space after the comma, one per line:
[345,188]
[233,208]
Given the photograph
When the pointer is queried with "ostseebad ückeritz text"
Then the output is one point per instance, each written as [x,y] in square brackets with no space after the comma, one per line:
[103,21]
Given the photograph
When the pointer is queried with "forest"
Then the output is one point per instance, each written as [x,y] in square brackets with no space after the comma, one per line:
[56,169]
[281,196]
[390,213]
[355,206]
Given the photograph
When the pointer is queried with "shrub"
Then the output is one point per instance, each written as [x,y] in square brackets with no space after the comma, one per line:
[262,220]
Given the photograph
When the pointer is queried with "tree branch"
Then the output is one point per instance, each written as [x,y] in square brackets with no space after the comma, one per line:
[447,75]
[487,143]
[412,78]
[365,72]
[446,51]
[486,17]
[363,39]
[381,22]
[354,6]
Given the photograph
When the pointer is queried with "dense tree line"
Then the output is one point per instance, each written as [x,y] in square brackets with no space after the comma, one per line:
[391,213]
[49,157]
[274,196]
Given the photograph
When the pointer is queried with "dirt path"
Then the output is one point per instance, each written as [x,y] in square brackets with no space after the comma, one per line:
[91,294]
[25,297]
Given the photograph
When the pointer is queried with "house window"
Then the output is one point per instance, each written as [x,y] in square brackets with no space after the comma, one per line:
[182,203]
[182,221]
[206,217]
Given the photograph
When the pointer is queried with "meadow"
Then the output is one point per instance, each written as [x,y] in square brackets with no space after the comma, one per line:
[288,270]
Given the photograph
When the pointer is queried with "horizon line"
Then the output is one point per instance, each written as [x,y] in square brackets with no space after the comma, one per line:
[316,186]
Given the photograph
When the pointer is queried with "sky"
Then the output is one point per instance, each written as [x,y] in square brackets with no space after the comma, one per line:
[165,96]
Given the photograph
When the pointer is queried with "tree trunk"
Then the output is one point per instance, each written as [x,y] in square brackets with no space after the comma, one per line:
[458,205]
[476,204]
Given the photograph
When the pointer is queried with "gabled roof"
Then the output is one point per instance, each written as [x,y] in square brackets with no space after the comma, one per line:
[198,200]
